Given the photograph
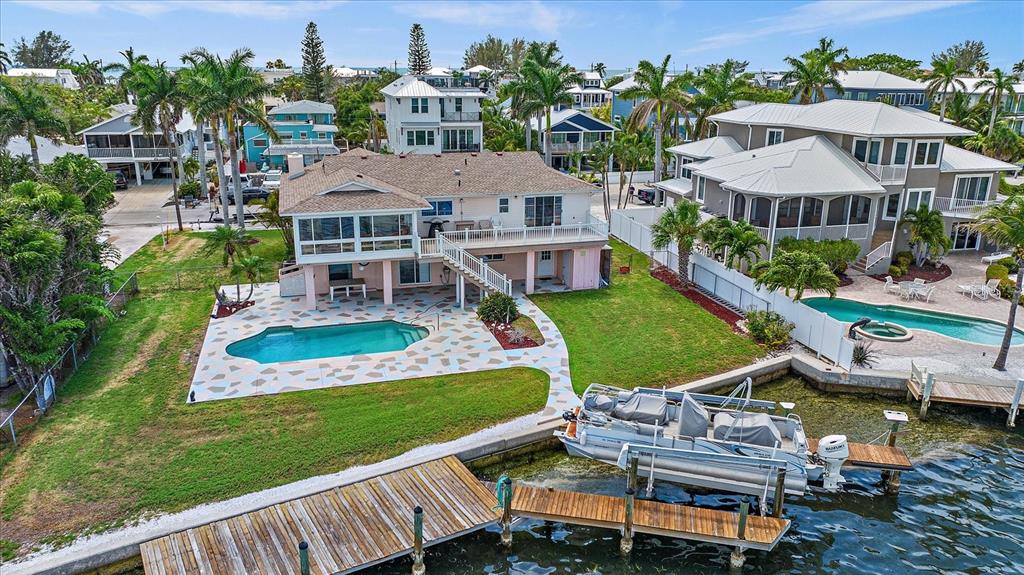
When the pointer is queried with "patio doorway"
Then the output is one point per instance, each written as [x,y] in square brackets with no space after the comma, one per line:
[545,264]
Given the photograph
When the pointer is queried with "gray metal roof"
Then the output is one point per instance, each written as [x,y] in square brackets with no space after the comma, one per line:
[843,117]
[876,80]
[807,166]
[956,159]
[285,149]
[708,148]
[303,107]
[409,86]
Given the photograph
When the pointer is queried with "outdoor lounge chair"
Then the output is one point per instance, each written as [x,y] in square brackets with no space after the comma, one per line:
[996,257]
[967,289]
[891,286]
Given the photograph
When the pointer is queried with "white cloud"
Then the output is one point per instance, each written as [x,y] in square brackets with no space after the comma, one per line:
[266,9]
[534,15]
[820,16]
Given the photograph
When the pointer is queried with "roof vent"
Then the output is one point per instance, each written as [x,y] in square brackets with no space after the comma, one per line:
[458,172]
[359,175]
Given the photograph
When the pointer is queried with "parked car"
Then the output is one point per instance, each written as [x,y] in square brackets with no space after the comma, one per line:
[647,195]
[272,181]
[120,181]
[250,194]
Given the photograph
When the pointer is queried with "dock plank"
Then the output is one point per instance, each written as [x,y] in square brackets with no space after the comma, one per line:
[872,456]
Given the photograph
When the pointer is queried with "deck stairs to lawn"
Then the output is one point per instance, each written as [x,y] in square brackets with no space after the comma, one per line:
[464,263]
[881,244]
[723,302]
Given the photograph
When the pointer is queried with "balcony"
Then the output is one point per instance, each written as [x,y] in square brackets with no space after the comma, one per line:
[565,147]
[961,207]
[888,175]
[853,231]
[460,117]
[305,142]
[527,236]
[129,153]
[462,148]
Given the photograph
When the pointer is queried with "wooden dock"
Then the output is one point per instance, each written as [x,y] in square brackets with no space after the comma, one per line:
[929,387]
[872,456]
[652,517]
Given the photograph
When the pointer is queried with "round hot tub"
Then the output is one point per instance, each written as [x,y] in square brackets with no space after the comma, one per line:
[884,331]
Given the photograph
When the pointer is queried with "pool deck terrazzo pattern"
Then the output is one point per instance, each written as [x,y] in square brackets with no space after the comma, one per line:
[461,344]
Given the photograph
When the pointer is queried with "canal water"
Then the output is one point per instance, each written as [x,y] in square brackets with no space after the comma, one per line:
[961,511]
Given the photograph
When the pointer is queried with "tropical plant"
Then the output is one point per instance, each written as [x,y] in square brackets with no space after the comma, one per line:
[720,86]
[679,225]
[659,95]
[125,71]
[809,78]
[944,83]
[837,254]
[968,55]
[1003,224]
[996,87]
[202,99]
[740,241]
[88,72]
[927,233]
[864,355]
[276,64]
[501,132]
[230,243]
[769,328]
[600,68]
[600,157]
[1003,143]
[271,218]
[498,308]
[5,59]
[492,52]
[545,88]
[159,107]
[25,111]
[797,272]
[316,74]
[419,53]
[292,88]
[250,267]
[891,63]
[47,50]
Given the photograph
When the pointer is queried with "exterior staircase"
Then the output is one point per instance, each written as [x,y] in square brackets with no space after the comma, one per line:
[466,264]
[881,245]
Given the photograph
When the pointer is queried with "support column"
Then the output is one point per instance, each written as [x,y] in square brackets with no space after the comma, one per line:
[531,270]
[386,275]
[309,274]
[460,291]
[138,173]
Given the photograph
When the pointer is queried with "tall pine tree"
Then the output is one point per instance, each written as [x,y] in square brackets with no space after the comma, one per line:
[315,71]
[419,54]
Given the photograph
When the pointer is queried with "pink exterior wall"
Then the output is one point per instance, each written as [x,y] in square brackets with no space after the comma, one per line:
[586,268]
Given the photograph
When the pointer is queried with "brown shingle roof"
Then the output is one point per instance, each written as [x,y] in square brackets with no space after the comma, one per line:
[415,177]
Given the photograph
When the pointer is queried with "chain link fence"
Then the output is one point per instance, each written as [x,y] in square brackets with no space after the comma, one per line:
[200,278]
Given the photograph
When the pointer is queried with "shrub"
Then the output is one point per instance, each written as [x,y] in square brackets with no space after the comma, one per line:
[903,259]
[997,271]
[498,307]
[1011,264]
[188,189]
[516,335]
[896,271]
[837,254]
[864,355]
[769,328]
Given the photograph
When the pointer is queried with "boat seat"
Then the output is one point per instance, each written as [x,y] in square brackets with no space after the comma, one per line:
[692,417]
[642,408]
[752,428]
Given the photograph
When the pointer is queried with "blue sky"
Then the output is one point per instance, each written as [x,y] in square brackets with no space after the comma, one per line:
[616,33]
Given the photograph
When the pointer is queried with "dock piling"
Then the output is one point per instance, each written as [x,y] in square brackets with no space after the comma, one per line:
[303,558]
[926,394]
[631,473]
[1011,421]
[417,546]
[737,558]
[626,544]
[891,477]
[506,514]
[780,492]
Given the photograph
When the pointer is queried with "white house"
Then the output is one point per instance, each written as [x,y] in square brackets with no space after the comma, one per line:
[118,143]
[59,76]
[423,118]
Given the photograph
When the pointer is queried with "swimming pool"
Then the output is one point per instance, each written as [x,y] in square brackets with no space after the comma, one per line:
[968,329]
[277,344]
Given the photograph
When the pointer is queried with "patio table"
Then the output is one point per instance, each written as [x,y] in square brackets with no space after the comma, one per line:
[912,288]
[347,285]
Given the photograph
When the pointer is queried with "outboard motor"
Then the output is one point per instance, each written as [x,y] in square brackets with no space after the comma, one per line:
[436,227]
[859,323]
[833,451]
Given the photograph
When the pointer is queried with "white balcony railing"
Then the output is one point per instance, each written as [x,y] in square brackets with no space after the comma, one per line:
[962,207]
[572,146]
[888,174]
[852,231]
[594,231]
[128,152]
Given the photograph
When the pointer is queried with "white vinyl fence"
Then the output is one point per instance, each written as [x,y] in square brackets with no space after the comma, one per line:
[814,329]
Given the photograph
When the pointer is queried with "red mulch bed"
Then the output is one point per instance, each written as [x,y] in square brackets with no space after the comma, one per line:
[671,279]
[500,333]
[844,280]
[927,273]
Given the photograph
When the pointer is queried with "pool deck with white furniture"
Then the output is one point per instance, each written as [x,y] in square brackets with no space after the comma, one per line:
[939,353]
[458,342]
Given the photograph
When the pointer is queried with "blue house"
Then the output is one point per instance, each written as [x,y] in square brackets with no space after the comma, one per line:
[305,127]
[572,131]
[876,86]
[622,108]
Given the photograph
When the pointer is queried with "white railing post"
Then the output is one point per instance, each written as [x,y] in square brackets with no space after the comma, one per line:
[1015,404]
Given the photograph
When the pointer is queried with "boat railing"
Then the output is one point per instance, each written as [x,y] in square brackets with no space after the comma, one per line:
[699,397]
[640,449]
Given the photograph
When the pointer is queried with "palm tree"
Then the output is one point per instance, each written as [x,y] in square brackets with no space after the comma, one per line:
[600,69]
[680,225]
[125,79]
[943,82]
[996,86]
[237,92]
[204,102]
[720,87]
[159,106]
[927,233]
[833,58]
[89,72]
[252,267]
[229,242]
[660,95]
[5,59]
[742,244]
[25,111]
[810,77]
[545,89]
[1004,224]
[797,271]
[600,157]
[271,218]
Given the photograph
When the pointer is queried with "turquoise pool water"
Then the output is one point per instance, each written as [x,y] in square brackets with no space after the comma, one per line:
[276,344]
[965,328]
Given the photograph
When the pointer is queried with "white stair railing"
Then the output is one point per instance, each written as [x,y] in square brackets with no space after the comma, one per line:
[467,264]
[876,255]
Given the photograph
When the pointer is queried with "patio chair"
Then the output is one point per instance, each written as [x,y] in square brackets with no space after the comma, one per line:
[992,287]
[891,286]
[485,225]
[919,281]
[980,292]
[926,295]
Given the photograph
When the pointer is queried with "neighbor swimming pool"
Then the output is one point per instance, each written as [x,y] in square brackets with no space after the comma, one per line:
[277,344]
[968,329]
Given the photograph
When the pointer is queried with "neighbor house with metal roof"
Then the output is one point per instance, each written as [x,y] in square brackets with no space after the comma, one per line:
[571,131]
[56,76]
[303,127]
[878,86]
[504,222]
[428,115]
[837,169]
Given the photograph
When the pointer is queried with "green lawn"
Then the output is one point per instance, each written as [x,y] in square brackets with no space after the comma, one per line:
[641,332]
[121,441]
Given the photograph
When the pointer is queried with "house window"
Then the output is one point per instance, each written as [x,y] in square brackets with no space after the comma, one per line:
[867,151]
[502,205]
[892,207]
[684,172]
[862,96]
[811,212]
[419,137]
[701,183]
[326,235]
[420,106]
[260,142]
[304,135]
[972,188]
[917,198]
[458,104]
[493,258]
[926,154]
[385,232]
[543,211]
[338,272]
[901,153]
[773,137]
[413,272]
[438,208]
[860,210]
[558,138]
[461,139]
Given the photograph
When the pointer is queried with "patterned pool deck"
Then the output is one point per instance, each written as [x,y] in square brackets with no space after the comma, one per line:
[457,343]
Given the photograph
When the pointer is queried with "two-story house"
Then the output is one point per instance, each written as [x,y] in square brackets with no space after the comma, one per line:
[57,76]
[571,131]
[837,169]
[304,127]
[501,221]
[877,86]
[1012,108]
[426,118]
[119,144]
[590,92]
